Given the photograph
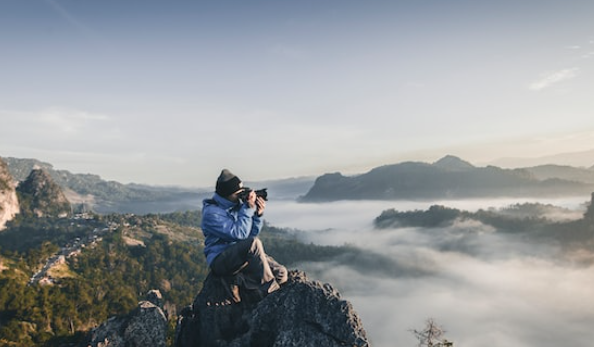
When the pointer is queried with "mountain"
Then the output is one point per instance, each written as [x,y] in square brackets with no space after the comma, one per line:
[91,192]
[449,177]
[40,196]
[576,159]
[453,163]
[146,325]
[564,172]
[9,204]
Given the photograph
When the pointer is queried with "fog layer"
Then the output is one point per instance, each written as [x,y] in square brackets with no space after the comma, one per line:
[484,287]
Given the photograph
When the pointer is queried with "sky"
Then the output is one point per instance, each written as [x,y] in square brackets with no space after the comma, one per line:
[171,92]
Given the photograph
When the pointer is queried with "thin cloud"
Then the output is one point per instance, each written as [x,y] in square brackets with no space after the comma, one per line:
[70,120]
[553,78]
[70,19]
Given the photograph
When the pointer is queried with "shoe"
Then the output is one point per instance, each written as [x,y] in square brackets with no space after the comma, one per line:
[232,289]
[252,296]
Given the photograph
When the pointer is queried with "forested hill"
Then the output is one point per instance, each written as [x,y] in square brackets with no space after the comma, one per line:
[534,222]
[450,177]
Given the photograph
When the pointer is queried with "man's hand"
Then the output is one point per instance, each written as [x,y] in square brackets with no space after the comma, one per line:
[260,206]
[251,199]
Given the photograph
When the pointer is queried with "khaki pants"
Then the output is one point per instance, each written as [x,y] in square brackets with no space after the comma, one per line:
[254,269]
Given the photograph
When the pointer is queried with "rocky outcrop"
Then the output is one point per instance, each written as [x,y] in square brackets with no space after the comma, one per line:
[144,326]
[301,313]
[40,196]
[9,204]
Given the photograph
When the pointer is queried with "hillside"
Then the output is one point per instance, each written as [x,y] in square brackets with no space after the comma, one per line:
[61,277]
[450,177]
[91,192]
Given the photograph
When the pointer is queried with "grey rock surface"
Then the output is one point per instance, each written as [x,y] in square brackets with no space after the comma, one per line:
[144,326]
[301,313]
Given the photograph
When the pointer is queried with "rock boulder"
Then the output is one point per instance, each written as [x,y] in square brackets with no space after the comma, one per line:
[301,313]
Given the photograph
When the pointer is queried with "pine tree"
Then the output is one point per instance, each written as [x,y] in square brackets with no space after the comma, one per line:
[431,335]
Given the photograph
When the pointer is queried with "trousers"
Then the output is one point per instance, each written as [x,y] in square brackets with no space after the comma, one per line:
[254,269]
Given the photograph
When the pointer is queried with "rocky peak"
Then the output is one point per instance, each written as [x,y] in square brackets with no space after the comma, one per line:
[40,196]
[301,313]
[144,326]
[9,204]
[450,162]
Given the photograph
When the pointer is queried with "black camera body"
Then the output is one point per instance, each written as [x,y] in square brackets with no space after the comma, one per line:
[262,193]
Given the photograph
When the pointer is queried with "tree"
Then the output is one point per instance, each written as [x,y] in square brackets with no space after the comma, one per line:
[431,335]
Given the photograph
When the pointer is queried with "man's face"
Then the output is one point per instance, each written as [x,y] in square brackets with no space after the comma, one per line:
[235,196]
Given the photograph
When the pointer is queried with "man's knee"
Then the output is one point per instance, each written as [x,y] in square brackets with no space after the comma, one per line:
[256,246]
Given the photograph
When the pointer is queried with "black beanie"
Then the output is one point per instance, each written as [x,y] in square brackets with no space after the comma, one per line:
[228,183]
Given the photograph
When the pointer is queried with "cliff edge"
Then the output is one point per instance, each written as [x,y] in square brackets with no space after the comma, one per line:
[9,204]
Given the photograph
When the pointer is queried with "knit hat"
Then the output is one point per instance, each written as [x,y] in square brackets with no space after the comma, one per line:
[228,183]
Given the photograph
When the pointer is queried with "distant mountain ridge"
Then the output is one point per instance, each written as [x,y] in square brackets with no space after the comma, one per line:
[84,183]
[448,177]
[451,177]
[575,159]
[564,172]
[92,192]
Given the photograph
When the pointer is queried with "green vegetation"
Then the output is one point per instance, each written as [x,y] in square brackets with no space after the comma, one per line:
[109,277]
[513,218]
[435,216]
[527,220]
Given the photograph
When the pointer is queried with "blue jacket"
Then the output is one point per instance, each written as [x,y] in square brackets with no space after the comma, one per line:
[224,223]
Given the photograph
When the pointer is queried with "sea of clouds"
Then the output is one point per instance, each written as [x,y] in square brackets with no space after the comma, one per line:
[485,288]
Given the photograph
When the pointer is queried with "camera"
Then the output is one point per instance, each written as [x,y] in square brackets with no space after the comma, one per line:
[262,193]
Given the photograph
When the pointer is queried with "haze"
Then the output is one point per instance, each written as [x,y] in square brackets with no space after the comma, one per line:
[165,92]
[485,288]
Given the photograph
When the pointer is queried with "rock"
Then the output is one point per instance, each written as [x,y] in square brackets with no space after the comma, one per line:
[301,313]
[9,204]
[40,196]
[144,326]
[154,297]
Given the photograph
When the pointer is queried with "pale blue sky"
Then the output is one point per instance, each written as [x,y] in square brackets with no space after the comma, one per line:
[170,92]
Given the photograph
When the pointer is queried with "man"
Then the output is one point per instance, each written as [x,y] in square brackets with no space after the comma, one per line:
[231,226]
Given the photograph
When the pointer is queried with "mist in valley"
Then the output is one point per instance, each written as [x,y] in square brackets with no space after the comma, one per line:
[485,287]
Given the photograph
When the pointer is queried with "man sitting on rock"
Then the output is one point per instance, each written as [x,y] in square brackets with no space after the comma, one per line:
[230,226]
